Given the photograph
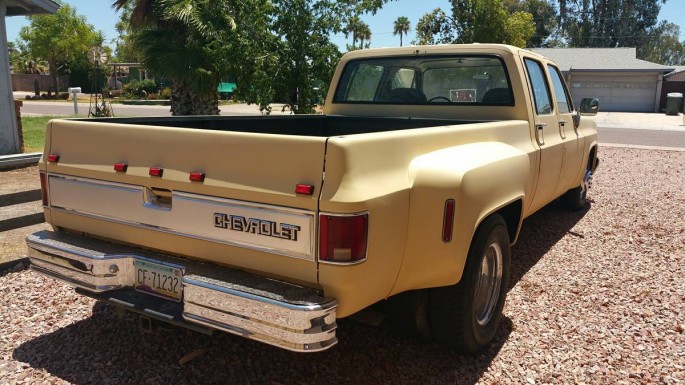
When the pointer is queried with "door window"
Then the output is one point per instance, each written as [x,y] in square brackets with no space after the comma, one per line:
[564,104]
[538,83]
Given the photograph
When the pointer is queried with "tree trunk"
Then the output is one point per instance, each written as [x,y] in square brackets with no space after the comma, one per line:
[52,65]
[181,102]
[205,103]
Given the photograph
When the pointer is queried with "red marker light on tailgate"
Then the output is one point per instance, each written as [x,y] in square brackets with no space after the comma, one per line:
[304,189]
[120,167]
[197,176]
[53,158]
[343,239]
[156,171]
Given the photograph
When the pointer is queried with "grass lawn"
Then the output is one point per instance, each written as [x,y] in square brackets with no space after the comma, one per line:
[34,132]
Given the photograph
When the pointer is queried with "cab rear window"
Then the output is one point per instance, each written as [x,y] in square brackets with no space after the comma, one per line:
[458,80]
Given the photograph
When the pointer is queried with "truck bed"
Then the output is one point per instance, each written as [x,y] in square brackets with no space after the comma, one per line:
[298,125]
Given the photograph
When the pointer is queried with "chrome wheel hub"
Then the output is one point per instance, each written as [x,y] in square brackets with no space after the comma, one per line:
[488,285]
[586,184]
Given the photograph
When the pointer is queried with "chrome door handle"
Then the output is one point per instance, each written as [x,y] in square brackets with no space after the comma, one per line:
[562,129]
[539,133]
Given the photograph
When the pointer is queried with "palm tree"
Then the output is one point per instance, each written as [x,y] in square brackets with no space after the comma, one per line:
[364,34]
[360,31]
[352,28]
[174,39]
[142,11]
[401,26]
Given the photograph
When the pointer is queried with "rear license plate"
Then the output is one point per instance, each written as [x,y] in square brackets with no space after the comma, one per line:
[158,280]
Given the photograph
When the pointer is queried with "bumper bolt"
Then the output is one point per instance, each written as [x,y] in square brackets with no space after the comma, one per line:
[113,269]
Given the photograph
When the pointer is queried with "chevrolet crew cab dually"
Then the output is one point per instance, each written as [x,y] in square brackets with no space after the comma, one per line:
[408,191]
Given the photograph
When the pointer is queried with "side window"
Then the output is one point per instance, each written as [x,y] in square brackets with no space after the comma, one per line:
[538,83]
[362,83]
[404,78]
[564,103]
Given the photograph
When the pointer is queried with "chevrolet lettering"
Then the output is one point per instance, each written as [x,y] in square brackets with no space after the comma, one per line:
[426,162]
[256,226]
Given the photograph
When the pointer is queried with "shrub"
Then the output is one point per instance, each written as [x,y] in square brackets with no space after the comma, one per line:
[166,93]
[140,89]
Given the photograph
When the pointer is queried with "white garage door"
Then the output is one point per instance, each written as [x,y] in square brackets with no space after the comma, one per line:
[616,93]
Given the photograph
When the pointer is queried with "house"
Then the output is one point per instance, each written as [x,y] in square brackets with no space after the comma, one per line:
[9,137]
[678,74]
[615,76]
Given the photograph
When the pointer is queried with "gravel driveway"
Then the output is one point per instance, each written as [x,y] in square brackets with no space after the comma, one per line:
[596,297]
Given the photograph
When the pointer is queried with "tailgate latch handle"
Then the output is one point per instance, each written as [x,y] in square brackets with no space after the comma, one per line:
[157,198]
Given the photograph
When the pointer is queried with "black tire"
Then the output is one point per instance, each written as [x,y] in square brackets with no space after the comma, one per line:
[407,314]
[456,318]
[575,199]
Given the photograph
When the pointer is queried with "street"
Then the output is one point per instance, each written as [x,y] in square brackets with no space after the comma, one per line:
[631,136]
[67,109]
[642,129]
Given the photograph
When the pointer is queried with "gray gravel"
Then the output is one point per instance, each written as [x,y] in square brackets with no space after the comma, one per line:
[596,297]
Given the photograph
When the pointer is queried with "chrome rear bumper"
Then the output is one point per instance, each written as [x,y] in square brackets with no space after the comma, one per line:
[277,313]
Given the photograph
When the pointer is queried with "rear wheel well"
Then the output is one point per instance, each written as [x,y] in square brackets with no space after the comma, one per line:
[591,161]
[511,214]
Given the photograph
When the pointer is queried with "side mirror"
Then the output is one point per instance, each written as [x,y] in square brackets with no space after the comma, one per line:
[589,106]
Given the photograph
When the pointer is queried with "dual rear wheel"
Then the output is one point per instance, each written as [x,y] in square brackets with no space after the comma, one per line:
[466,315]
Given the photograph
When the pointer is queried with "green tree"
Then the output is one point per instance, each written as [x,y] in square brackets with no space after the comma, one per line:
[666,49]
[518,28]
[364,35]
[488,21]
[360,31]
[59,39]
[476,21]
[544,16]
[401,27]
[124,49]
[276,50]
[180,40]
[609,23]
[287,53]
[434,28]
[306,56]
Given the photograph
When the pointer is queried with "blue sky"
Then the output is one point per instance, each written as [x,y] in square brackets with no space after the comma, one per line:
[102,16]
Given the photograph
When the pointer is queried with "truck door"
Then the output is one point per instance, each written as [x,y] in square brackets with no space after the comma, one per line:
[546,132]
[573,144]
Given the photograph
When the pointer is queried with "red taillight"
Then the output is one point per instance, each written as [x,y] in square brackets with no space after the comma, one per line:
[448,221]
[156,171]
[44,187]
[343,239]
[304,189]
[53,158]
[120,167]
[197,177]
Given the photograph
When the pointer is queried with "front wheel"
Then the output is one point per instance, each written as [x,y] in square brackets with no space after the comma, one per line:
[466,315]
[575,198]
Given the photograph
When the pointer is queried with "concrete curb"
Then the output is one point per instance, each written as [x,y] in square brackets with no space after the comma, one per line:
[8,267]
[639,147]
[18,160]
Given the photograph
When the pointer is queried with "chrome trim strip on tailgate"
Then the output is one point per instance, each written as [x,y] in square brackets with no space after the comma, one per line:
[273,229]
[290,316]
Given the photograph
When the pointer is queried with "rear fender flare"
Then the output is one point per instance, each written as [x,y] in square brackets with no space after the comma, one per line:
[481,178]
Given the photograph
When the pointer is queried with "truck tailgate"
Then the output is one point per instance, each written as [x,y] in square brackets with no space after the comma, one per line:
[245,212]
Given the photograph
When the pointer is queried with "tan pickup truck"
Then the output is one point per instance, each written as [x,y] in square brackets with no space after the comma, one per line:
[407,193]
